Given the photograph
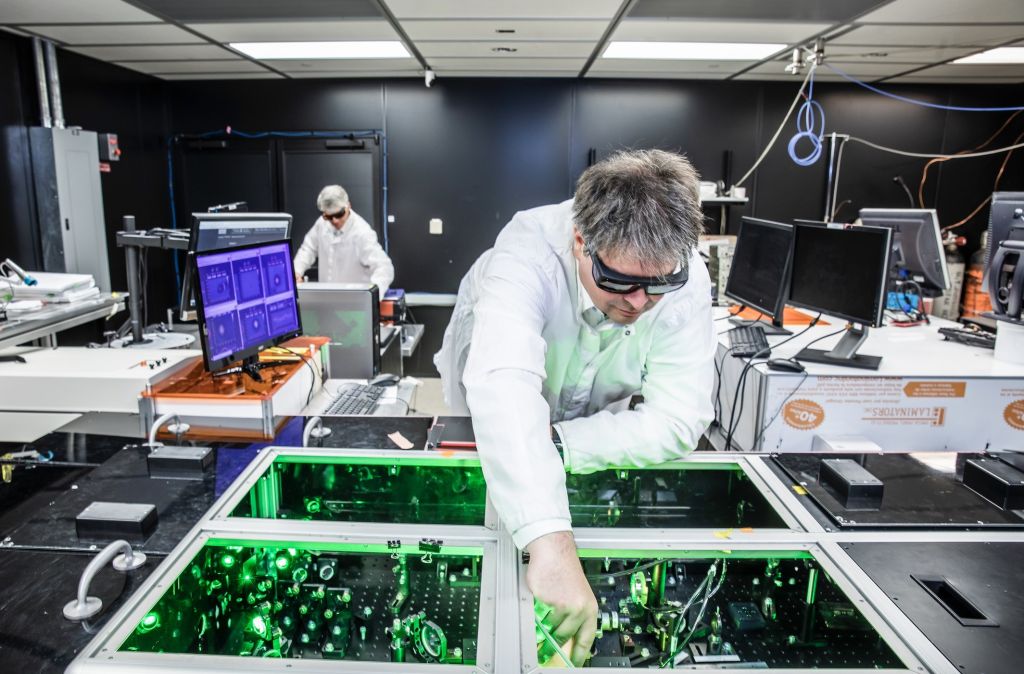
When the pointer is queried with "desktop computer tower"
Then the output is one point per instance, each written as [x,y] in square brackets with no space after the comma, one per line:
[349,315]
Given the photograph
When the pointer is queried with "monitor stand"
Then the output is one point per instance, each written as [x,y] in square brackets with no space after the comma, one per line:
[770,329]
[844,354]
[251,368]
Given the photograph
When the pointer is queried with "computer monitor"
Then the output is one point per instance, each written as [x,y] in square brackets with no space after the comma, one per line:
[247,302]
[349,315]
[1004,254]
[842,272]
[759,273]
[214,230]
[917,251]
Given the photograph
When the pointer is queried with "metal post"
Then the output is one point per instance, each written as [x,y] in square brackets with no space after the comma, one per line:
[54,79]
[131,261]
[44,100]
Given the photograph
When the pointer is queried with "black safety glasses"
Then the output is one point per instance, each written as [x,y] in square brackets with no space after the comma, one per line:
[609,280]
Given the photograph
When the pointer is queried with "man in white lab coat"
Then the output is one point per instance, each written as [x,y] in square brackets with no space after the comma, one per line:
[578,307]
[345,244]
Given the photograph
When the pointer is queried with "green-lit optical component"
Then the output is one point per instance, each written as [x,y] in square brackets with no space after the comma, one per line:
[227,561]
[283,562]
[259,625]
[149,622]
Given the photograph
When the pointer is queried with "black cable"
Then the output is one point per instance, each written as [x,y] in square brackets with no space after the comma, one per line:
[923,315]
[741,382]
[831,334]
[718,389]
[760,434]
[312,383]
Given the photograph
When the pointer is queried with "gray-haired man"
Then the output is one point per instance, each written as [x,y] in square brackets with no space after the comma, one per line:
[345,244]
[578,307]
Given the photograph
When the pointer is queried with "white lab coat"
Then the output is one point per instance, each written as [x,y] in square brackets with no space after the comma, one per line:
[351,255]
[526,347]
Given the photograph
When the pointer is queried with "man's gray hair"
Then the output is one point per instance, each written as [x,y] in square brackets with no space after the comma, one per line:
[643,205]
[332,199]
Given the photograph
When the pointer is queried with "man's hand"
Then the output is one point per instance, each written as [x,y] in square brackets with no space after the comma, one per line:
[298,279]
[556,578]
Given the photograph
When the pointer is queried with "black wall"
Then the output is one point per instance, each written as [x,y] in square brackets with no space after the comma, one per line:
[473,151]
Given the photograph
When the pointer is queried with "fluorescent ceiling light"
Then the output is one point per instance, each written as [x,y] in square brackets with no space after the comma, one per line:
[1000,55]
[323,50]
[692,51]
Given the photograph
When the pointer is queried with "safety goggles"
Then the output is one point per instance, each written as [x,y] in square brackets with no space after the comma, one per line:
[611,281]
[336,216]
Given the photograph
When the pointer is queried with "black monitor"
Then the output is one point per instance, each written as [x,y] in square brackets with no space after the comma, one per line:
[842,272]
[917,251]
[247,302]
[214,230]
[1004,255]
[760,271]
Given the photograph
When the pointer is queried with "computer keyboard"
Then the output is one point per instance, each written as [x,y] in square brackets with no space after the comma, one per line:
[748,340]
[355,399]
[969,336]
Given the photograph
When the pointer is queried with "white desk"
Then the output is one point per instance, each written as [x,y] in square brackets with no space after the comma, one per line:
[928,394]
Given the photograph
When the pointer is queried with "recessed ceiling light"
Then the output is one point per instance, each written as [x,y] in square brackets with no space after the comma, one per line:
[692,51]
[999,55]
[322,50]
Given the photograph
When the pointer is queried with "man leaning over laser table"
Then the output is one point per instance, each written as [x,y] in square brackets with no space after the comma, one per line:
[576,308]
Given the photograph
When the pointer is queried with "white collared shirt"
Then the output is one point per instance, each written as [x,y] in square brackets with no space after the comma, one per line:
[525,348]
[349,255]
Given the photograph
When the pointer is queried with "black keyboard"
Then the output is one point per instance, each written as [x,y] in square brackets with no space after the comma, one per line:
[748,340]
[985,340]
[354,399]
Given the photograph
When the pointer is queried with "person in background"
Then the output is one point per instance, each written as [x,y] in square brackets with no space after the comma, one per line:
[578,307]
[345,245]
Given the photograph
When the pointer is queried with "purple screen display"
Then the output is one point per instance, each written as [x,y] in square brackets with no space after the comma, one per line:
[248,297]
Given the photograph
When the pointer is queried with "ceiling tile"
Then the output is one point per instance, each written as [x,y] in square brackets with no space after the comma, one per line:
[160,33]
[668,66]
[848,54]
[521,64]
[267,75]
[624,75]
[70,11]
[352,74]
[463,30]
[157,67]
[522,49]
[504,9]
[948,11]
[930,36]
[156,52]
[337,65]
[512,73]
[918,79]
[650,30]
[194,11]
[964,70]
[832,11]
[298,31]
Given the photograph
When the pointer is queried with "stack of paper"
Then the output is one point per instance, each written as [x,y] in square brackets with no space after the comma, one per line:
[52,287]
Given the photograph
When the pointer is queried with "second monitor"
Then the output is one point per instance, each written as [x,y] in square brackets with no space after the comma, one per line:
[760,272]
[842,272]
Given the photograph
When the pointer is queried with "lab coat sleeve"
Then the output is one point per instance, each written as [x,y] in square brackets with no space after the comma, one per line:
[373,257]
[503,377]
[677,409]
[306,255]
